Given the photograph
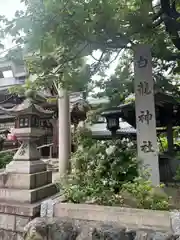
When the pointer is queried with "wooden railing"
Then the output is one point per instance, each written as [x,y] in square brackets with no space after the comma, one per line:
[50,145]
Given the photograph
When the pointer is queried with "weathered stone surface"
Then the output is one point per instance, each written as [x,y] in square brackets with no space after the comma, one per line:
[27,196]
[62,230]
[40,229]
[19,237]
[26,166]
[21,222]
[7,222]
[175,222]
[28,151]
[125,217]
[109,232]
[7,235]
[25,181]
[47,206]
[66,229]
[21,209]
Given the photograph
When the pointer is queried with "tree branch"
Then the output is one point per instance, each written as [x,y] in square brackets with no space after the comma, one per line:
[99,62]
[115,57]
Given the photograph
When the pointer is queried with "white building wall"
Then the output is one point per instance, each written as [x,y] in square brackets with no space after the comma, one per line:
[13,74]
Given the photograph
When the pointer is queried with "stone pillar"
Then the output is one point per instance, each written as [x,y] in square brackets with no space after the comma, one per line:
[145,112]
[25,183]
[64,132]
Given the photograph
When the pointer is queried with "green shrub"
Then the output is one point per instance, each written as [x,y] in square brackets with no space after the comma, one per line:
[177,176]
[92,194]
[99,168]
[107,173]
[144,195]
[163,144]
[5,158]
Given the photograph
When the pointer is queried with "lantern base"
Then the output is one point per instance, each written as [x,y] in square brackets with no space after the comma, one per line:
[27,152]
[24,180]
[27,196]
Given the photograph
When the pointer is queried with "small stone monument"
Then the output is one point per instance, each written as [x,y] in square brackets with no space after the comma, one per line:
[26,181]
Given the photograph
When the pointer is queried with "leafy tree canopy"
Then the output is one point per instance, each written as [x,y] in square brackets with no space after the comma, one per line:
[58,33]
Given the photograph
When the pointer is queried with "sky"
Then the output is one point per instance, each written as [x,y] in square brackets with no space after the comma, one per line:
[8,8]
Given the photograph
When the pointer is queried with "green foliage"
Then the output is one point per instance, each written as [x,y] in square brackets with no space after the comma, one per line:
[21,89]
[5,158]
[110,155]
[145,196]
[119,85]
[76,23]
[106,172]
[163,144]
[58,34]
[99,169]
[177,176]
[44,54]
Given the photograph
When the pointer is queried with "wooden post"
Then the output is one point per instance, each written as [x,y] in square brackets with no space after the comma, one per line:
[145,112]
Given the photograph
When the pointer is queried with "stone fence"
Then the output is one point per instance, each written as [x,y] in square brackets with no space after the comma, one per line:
[60,221]
[65,221]
[125,217]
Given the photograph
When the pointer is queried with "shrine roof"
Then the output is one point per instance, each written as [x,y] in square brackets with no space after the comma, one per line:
[162,101]
[6,118]
[50,102]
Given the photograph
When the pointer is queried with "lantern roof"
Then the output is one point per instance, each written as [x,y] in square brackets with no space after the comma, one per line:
[27,107]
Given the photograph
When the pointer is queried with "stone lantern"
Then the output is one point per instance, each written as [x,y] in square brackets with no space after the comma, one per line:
[112,123]
[26,178]
[25,185]
[28,130]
